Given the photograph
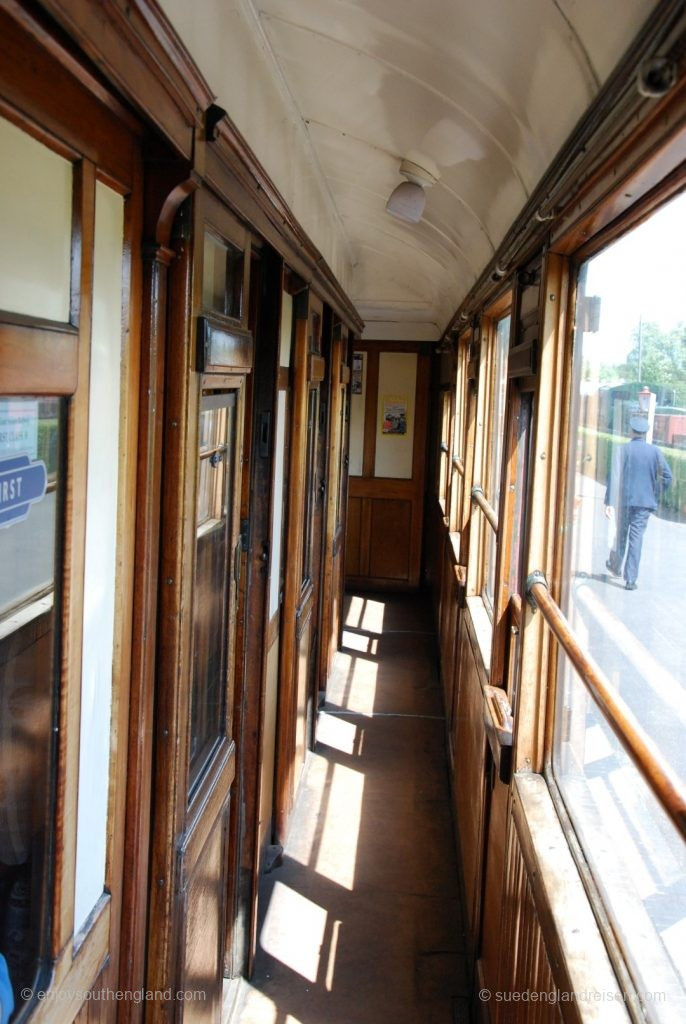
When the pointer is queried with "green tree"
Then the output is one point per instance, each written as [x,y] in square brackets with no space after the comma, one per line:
[658,359]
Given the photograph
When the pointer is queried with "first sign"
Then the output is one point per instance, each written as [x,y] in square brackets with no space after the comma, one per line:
[22,483]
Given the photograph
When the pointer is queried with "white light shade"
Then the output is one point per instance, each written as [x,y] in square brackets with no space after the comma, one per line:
[406,202]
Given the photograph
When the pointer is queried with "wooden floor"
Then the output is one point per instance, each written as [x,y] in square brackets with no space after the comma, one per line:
[362,921]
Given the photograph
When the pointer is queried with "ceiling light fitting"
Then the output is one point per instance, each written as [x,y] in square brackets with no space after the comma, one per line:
[406,201]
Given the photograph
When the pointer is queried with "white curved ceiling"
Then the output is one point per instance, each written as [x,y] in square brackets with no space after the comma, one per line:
[486,90]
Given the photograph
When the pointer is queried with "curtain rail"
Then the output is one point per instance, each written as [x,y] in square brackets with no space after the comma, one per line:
[479,498]
[657,773]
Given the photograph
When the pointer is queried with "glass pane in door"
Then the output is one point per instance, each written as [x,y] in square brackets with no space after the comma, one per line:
[31,437]
[214,502]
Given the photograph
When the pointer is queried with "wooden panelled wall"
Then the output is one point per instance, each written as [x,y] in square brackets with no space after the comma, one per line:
[179,909]
[496,656]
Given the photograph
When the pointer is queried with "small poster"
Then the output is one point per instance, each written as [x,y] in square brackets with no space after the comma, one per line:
[394,414]
[356,378]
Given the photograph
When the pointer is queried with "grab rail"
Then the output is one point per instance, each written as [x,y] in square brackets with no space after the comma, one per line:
[479,498]
[664,782]
[459,465]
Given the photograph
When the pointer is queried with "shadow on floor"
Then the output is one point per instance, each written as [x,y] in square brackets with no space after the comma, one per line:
[362,923]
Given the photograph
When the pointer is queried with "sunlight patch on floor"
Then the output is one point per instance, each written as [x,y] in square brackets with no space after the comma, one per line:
[337,733]
[338,846]
[256,1008]
[293,931]
[366,614]
[361,642]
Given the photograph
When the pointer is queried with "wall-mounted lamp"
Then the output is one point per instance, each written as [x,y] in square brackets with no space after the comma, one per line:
[406,201]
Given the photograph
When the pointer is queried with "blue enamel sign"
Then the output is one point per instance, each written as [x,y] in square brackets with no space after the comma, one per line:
[22,483]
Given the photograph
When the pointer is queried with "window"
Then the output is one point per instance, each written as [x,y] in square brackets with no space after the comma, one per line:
[444,451]
[498,348]
[214,504]
[459,436]
[31,442]
[222,278]
[623,587]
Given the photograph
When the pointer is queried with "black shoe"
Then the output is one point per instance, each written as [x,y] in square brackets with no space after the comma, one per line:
[609,565]
[631,586]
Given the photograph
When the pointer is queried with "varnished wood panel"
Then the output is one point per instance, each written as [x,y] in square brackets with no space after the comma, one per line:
[470,777]
[353,537]
[389,547]
[201,972]
[24,354]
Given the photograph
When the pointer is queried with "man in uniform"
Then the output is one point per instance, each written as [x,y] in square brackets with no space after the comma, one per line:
[638,474]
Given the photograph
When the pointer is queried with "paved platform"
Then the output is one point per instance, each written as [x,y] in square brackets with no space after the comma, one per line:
[362,921]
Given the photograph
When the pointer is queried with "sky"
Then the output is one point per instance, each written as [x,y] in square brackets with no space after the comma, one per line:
[642,275]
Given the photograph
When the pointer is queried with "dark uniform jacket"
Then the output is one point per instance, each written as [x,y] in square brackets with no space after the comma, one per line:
[639,471]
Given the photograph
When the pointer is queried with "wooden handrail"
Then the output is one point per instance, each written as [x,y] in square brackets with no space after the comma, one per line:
[659,775]
[479,498]
[459,465]
[516,610]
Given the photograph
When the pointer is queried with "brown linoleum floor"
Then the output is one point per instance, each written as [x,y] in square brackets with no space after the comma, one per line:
[362,923]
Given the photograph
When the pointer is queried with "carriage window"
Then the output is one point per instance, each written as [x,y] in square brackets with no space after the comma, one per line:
[36,214]
[495,442]
[310,483]
[444,451]
[31,436]
[222,277]
[214,505]
[623,586]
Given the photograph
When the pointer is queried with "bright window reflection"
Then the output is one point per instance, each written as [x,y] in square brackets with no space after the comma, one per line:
[624,586]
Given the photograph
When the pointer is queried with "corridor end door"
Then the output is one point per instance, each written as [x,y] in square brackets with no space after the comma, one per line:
[388,417]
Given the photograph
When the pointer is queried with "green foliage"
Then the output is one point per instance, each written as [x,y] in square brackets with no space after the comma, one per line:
[595,457]
[658,359]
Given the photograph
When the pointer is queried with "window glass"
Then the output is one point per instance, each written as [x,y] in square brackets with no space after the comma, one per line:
[31,438]
[222,277]
[623,586]
[212,563]
[444,450]
[495,435]
[524,412]
[36,218]
[310,483]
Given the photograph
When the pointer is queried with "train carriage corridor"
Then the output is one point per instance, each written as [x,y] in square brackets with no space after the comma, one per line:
[362,917]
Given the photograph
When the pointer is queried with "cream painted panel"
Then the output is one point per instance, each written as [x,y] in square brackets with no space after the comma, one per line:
[225,39]
[100,568]
[395,412]
[286,329]
[277,507]
[357,404]
[269,743]
[35,226]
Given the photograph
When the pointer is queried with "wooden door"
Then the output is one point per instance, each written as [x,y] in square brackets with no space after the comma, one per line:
[389,395]
[192,860]
[300,611]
